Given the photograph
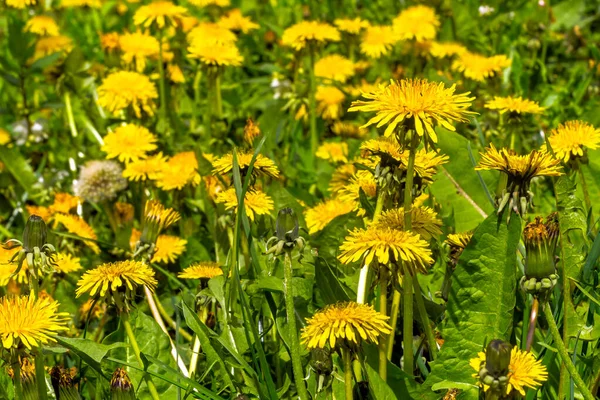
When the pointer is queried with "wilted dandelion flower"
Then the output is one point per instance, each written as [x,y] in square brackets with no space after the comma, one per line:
[148,168]
[65,263]
[117,280]
[524,371]
[137,47]
[299,35]
[386,245]
[159,12]
[417,22]
[77,226]
[235,21]
[100,181]
[52,44]
[334,67]
[262,166]
[124,89]
[570,139]
[129,142]
[351,26]
[517,105]
[349,130]
[202,270]
[377,41]
[319,216]
[333,151]
[42,25]
[329,102]
[25,321]
[348,323]
[446,49]
[219,54]
[168,248]
[425,221]
[63,203]
[421,102]
[179,171]
[477,67]
[256,202]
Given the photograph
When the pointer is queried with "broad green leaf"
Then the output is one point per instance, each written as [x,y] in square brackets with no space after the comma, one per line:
[377,386]
[329,286]
[481,300]
[89,351]
[18,167]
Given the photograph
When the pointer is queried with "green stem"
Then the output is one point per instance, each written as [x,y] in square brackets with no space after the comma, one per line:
[218,97]
[293,332]
[17,379]
[347,356]
[40,374]
[532,320]
[394,311]
[425,319]
[202,314]
[383,343]
[161,82]
[312,102]
[70,118]
[564,354]
[195,113]
[111,216]
[169,320]
[137,352]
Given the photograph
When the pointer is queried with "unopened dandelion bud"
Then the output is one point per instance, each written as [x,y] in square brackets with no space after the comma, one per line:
[320,361]
[27,377]
[35,233]
[497,358]
[121,387]
[540,243]
[64,384]
[287,225]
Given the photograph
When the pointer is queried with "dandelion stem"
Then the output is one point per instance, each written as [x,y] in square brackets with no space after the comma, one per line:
[161,82]
[70,118]
[169,320]
[394,311]
[293,333]
[40,374]
[202,314]
[383,343]
[17,379]
[532,320]
[425,319]
[564,354]
[218,97]
[137,352]
[347,356]
[312,105]
[197,80]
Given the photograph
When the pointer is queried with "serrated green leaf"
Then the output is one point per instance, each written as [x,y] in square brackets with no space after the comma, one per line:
[89,351]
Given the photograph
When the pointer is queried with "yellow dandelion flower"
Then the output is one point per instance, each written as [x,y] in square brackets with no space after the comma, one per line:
[319,216]
[341,176]
[81,3]
[524,371]
[235,21]
[417,22]
[179,171]
[20,4]
[346,322]
[446,49]
[8,269]
[570,139]
[5,137]
[536,163]
[256,202]
[426,103]
[477,67]
[175,73]
[112,277]
[149,168]
[209,33]
[262,166]
[356,91]
[77,226]
[202,270]
[64,203]
[159,12]
[159,217]
[41,211]
[66,263]
[351,26]
[207,3]
[348,130]
[136,48]
[425,221]
[251,131]
[333,151]
[42,25]
[457,243]
[124,89]
[220,54]
[188,23]
[52,44]
[330,101]
[334,67]
[110,42]
[378,41]
[350,192]
[386,245]
[168,248]
[514,105]
[129,142]
[299,35]
[29,322]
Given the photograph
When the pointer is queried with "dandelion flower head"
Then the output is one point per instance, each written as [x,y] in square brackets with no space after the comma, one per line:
[417,22]
[112,277]
[262,166]
[235,21]
[129,142]
[256,202]
[351,26]
[377,41]
[517,105]
[570,139]
[202,270]
[298,36]
[124,89]
[478,68]
[159,12]
[334,67]
[319,216]
[42,25]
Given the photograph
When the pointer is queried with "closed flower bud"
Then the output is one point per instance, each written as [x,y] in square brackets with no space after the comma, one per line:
[540,242]
[64,384]
[287,225]
[497,358]
[121,387]
[320,360]
[35,233]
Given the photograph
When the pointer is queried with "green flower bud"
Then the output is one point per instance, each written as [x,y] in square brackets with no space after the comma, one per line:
[64,384]
[320,361]
[287,225]
[540,242]
[35,233]
[121,387]
[497,358]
